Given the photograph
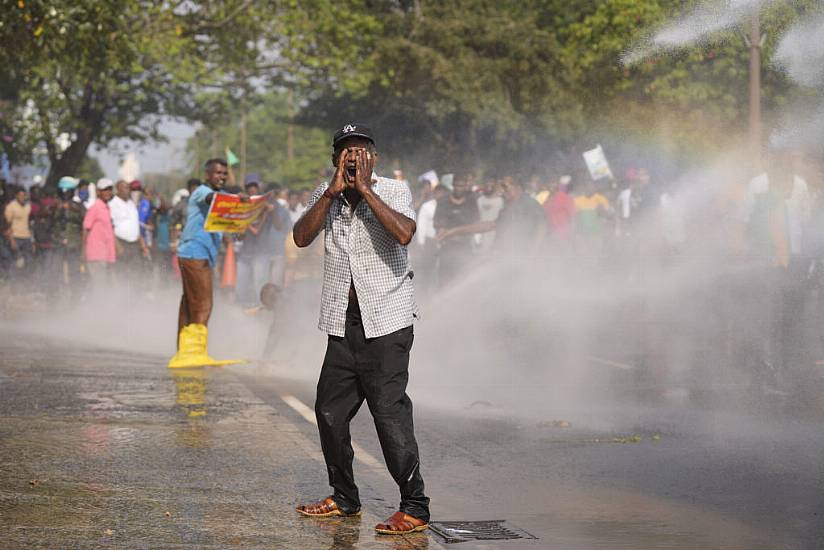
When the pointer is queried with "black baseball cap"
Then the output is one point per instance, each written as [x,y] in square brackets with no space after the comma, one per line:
[353,130]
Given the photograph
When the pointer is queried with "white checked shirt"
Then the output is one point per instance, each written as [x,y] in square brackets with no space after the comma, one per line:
[360,251]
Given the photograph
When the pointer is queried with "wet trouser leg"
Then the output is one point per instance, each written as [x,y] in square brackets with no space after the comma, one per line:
[196,302]
[384,364]
[339,396]
[375,369]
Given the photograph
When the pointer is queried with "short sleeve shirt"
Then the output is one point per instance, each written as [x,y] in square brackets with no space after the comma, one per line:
[125,219]
[588,221]
[272,239]
[144,212]
[449,215]
[362,253]
[196,243]
[100,242]
[518,224]
[17,216]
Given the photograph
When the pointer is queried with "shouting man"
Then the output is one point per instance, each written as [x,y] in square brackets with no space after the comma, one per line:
[197,255]
[367,309]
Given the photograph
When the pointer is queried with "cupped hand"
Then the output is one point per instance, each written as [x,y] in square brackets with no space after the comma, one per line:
[363,171]
[338,184]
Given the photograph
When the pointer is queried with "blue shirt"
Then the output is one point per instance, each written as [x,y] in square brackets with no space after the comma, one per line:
[162,228]
[197,243]
[144,213]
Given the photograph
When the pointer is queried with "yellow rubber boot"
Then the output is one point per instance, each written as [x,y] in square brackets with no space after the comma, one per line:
[192,347]
[187,349]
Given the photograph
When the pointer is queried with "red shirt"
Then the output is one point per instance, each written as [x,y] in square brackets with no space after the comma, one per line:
[560,211]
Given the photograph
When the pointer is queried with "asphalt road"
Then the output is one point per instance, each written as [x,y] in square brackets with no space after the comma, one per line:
[102,449]
[664,476]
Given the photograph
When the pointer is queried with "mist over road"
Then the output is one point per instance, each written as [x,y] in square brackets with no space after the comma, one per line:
[98,445]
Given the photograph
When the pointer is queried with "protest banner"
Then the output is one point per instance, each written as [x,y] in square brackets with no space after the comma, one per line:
[597,163]
[229,214]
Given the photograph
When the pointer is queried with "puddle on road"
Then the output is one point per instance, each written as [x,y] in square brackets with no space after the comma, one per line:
[357,534]
[190,391]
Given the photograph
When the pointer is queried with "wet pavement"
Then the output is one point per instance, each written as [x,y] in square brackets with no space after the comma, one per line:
[101,449]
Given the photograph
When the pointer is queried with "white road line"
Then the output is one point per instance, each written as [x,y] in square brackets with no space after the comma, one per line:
[300,408]
[609,363]
[307,413]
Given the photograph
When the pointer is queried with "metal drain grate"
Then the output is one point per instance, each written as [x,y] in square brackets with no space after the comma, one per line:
[464,531]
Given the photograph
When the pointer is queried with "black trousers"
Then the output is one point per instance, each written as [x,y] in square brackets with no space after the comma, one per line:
[376,369]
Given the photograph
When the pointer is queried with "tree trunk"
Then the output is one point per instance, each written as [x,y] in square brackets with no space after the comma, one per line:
[69,162]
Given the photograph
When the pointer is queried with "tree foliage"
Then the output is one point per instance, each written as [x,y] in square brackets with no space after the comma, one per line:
[449,84]
[267,142]
[501,85]
[95,71]
[696,97]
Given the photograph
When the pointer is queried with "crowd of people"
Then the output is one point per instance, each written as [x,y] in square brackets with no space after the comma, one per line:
[718,272]
[771,218]
[62,240]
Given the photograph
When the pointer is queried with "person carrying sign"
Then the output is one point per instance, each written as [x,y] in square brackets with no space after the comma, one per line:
[197,254]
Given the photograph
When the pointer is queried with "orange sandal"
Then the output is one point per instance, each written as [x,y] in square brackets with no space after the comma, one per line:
[401,524]
[323,509]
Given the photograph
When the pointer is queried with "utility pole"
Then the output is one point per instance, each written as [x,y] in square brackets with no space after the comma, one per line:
[243,147]
[755,43]
[290,138]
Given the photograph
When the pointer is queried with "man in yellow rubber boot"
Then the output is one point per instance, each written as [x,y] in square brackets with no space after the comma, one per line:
[197,255]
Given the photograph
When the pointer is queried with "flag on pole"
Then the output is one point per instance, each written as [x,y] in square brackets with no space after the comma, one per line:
[231,158]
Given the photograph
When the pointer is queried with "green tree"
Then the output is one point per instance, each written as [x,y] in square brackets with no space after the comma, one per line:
[458,84]
[98,71]
[165,184]
[499,86]
[90,169]
[101,70]
[267,138]
[695,98]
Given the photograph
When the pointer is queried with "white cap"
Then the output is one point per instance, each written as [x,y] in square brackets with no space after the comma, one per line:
[104,183]
[179,195]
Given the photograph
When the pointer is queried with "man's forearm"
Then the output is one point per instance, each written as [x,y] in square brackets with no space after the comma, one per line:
[255,228]
[308,226]
[143,248]
[399,226]
[472,228]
